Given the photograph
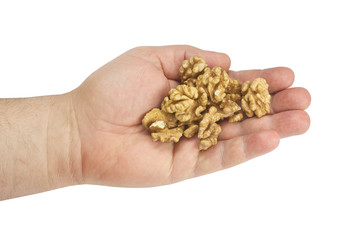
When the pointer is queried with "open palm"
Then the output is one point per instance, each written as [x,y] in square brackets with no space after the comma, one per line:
[117,150]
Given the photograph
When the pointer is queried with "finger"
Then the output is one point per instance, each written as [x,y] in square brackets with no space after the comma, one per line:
[278,78]
[235,151]
[173,83]
[171,58]
[290,99]
[286,124]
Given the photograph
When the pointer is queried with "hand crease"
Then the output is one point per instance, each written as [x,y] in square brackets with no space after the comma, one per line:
[170,174]
[221,155]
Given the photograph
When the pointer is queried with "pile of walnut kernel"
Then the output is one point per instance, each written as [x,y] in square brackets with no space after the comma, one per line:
[204,97]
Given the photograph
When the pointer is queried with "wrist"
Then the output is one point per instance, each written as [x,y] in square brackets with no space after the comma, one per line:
[63,143]
[39,145]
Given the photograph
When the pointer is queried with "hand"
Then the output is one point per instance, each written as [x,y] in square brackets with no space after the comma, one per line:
[117,150]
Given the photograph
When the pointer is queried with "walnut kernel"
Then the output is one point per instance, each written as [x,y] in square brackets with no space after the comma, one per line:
[168,135]
[192,68]
[209,129]
[256,98]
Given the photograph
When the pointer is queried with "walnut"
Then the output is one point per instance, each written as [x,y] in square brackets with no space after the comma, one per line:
[217,84]
[236,117]
[234,89]
[255,98]
[203,79]
[205,97]
[156,120]
[183,102]
[223,92]
[191,131]
[230,109]
[179,99]
[192,68]
[209,129]
[162,125]
[212,139]
[229,106]
[168,135]
[191,82]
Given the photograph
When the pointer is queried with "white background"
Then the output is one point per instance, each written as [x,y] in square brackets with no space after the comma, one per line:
[299,191]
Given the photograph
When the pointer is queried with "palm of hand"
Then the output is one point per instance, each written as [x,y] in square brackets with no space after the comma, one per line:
[117,150]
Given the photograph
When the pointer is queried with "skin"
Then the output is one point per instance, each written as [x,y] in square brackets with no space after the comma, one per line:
[94,134]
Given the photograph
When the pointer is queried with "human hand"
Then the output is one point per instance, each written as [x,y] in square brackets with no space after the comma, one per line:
[117,150]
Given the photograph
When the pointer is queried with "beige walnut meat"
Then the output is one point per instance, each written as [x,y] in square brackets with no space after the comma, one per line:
[192,68]
[209,129]
[205,97]
[256,98]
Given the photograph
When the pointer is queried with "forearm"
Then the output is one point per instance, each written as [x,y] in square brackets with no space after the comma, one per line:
[39,145]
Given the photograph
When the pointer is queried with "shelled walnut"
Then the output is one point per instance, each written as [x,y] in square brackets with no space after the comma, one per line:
[209,129]
[256,98]
[205,97]
[192,68]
